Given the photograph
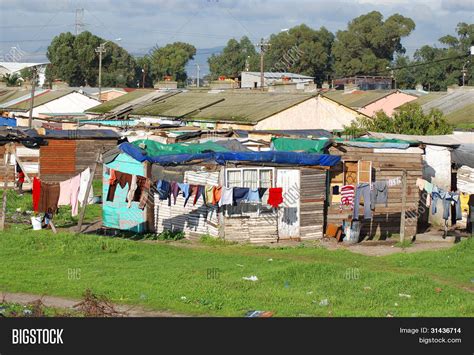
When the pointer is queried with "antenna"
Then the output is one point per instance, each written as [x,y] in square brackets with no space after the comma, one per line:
[79,23]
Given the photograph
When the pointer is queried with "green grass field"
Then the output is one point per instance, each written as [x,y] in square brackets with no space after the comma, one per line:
[206,278]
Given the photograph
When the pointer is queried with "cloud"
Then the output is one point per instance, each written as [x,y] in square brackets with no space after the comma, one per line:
[458,5]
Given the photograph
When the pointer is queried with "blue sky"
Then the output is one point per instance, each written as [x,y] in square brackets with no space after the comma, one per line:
[31,24]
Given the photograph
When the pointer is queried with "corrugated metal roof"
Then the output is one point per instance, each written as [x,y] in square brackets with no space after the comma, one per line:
[40,99]
[444,140]
[359,98]
[246,107]
[115,104]
[462,115]
[19,96]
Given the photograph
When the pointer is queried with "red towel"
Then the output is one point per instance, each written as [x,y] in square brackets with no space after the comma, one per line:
[36,193]
[275,196]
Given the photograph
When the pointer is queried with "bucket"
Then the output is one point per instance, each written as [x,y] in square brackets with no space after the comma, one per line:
[36,223]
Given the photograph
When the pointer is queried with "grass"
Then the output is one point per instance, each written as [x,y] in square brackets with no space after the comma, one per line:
[206,278]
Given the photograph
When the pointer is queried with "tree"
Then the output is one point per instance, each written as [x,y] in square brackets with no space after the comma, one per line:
[171,60]
[369,43]
[301,50]
[11,79]
[234,58]
[438,73]
[410,119]
[74,60]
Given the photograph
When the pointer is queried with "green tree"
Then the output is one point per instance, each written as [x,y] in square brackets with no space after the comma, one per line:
[144,67]
[171,60]
[409,119]
[74,60]
[301,50]
[369,43]
[11,79]
[438,74]
[234,58]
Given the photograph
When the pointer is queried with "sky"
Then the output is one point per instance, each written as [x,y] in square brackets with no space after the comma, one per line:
[29,25]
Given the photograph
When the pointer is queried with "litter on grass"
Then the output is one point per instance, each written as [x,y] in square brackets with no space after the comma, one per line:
[404,295]
[250,278]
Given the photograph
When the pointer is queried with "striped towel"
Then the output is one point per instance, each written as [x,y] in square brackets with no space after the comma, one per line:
[347,196]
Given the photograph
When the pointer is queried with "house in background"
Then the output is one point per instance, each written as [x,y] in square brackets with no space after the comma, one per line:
[371,101]
[363,82]
[251,80]
[47,102]
[249,110]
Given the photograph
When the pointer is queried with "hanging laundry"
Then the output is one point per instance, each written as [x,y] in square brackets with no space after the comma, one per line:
[428,187]
[240,194]
[174,191]
[131,192]
[164,189]
[347,196]
[363,190]
[184,188]
[198,193]
[144,185]
[112,177]
[253,196]
[121,179]
[193,190]
[436,195]
[261,192]
[227,197]
[451,198]
[69,193]
[216,194]
[209,192]
[379,194]
[275,196]
[420,183]
[36,193]
[85,177]
[49,196]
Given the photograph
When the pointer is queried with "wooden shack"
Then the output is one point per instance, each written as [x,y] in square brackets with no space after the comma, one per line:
[67,153]
[299,217]
[359,164]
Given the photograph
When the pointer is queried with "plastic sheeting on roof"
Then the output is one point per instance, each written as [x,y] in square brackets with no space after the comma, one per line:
[154,148]
[306,145]
[380,143]
[463,155]
[271,157]
[6,121]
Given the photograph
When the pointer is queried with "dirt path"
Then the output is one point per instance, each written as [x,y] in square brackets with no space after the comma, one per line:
[68,304]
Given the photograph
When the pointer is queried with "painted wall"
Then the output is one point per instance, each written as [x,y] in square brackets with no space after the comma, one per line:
[437,170]
[315,113]
[388,104]
[116,214]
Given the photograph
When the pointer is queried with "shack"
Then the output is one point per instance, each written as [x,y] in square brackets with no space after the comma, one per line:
[301,176]
[368,160]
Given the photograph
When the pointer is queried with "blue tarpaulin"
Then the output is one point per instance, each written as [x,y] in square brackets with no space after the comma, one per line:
[6,121]
[274,157]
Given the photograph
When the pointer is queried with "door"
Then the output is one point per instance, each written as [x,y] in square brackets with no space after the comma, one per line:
[289,211]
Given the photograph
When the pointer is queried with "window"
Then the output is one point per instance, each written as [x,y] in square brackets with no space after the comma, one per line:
[250,177]
[356,172]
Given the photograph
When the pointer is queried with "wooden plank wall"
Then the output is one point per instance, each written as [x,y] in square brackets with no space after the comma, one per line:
[10,170]
[86,153]
[312,201]
[386,220]
[193,220]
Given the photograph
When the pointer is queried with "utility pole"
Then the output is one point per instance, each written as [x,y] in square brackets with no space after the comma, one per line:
[32,99]
[262,46]
[464,72]
[197,75]
[100,50]
[143,77]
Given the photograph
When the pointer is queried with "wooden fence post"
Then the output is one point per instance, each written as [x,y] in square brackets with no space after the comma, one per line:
[5,187]
[404,200]
[88,190]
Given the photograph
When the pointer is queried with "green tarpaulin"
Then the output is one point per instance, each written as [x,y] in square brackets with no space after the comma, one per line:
[155,148]
[302,145]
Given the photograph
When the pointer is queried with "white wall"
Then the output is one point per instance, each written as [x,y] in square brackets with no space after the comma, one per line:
[315,113]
